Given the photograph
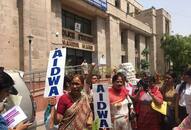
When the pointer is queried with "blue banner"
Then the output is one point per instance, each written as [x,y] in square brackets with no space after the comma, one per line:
[102,4]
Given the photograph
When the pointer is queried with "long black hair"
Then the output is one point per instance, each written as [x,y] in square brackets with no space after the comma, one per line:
[5,80]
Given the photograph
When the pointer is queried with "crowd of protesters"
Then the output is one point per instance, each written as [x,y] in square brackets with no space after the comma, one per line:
[130,105]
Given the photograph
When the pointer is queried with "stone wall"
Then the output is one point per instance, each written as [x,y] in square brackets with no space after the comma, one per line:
[9,34]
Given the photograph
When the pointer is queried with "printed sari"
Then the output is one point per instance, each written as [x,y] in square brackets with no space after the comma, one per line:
[119,109]
[78,116]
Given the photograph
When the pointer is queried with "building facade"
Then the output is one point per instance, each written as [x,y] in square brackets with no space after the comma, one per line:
[116,30]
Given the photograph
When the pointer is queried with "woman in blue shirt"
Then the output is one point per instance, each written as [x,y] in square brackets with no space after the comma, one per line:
[6,88]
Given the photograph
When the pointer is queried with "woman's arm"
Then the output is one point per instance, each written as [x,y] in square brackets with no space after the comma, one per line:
[157,97]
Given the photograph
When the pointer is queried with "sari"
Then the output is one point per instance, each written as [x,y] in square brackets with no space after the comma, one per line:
[148,119]
[78,116]
[119,109]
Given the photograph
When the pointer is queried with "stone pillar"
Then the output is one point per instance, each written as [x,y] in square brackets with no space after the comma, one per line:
[142,46]
[152,56]
[42,18]
[100,36]
[113,42]
[131,47]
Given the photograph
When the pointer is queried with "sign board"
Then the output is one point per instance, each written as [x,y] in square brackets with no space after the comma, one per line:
[14,116]
[78,45]
[55,73]
[102,4]
[101,105]
[102,60]
[77,27]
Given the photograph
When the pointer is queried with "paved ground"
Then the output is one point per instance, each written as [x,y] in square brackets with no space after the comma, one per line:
[39,121]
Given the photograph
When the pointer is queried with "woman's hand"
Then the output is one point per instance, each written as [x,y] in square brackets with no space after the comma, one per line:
[52,101]
[23,126]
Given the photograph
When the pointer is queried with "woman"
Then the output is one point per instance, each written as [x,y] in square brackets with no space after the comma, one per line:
[168,91]
[73,110]
[148,119]
[6,88]
[181,90]
[120,103]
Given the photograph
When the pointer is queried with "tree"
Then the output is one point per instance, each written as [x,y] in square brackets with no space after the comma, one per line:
[177,49]
[144,62]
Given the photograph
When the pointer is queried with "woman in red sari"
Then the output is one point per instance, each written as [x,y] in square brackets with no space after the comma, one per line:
[119,101]
[73,110]
[148,119]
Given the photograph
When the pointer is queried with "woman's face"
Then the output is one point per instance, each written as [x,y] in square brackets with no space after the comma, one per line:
[117,84]
[94,79]
[76,86]
[168,80]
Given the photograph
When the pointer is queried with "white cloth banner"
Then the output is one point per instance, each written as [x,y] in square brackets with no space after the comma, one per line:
[102,105]
[14,116]
[55,73]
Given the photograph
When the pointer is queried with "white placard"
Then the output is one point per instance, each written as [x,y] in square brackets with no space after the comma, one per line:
[102,105]
[188,103]
[14,116]
[102,60]
[77,27]
[55,73]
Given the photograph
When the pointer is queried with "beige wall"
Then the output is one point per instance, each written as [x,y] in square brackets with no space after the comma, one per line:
[9,34]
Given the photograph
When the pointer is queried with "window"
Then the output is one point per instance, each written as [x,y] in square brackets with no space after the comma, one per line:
[69,20]
[76,57]
[117,3]
[128,9]
[167,30]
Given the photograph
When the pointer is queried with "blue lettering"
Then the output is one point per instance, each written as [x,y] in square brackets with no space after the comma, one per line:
[53,80]
[53,91]
[102,114]
[101,96]
[103,124]
[55,71]
[100,88]
[55,62]
[101,105]
[57,53]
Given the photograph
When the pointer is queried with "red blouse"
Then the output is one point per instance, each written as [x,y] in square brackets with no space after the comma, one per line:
[64,103]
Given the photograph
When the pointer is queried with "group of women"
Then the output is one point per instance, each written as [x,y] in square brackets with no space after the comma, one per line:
[75,112]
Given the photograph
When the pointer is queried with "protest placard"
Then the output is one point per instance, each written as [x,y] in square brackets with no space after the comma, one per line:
[102,105]
[55,73]
[14,116]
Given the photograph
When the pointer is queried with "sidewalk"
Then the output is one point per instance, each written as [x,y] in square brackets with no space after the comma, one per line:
[40,121]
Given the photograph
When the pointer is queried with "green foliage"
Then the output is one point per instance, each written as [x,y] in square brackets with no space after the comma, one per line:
[145,52]
[177,49]
[144,62]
